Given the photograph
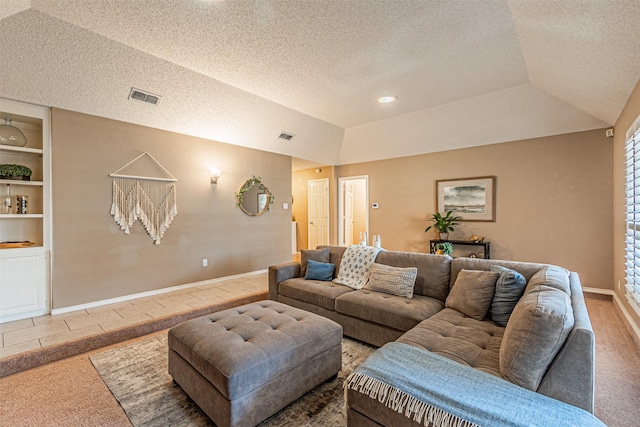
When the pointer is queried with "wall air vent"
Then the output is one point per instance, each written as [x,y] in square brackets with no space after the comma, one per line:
[147,97]
[285,135]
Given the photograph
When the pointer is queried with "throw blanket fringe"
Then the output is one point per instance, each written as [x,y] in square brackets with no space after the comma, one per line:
[430,388]
[401,402]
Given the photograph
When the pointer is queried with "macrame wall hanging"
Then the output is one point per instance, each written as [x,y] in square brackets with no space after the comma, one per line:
[144,196]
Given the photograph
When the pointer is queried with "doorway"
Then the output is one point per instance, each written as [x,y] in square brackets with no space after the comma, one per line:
[353,212]
[318,207]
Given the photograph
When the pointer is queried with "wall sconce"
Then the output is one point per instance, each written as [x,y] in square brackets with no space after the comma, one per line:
[215,174]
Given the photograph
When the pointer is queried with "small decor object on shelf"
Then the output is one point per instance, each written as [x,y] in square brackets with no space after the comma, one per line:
[6,206]
[21,204]
[376,241]
[445,248]
[476,239]
[443,223]
[21,172]
[11,135]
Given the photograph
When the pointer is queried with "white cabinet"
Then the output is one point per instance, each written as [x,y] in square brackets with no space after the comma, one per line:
[23,279]
[24,271]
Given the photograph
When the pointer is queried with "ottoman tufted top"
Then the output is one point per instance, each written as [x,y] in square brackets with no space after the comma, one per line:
[240,349]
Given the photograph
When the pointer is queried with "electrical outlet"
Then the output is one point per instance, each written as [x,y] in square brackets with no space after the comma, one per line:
[205,262]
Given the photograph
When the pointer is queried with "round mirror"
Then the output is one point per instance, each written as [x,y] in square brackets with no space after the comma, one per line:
[254,197]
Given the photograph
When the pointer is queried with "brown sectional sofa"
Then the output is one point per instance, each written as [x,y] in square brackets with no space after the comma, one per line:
[426,322]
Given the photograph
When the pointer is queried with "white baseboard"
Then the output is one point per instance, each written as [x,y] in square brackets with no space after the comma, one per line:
[632,324]
[598,291]
[150,293]
[634,328]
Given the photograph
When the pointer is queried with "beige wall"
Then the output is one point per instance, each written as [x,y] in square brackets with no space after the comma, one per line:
[630,112]
[94,260]
[553,200]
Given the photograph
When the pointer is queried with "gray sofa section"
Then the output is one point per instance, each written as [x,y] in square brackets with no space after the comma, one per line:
[423,321]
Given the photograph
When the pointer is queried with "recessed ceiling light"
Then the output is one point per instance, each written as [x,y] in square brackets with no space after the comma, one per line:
[387,99]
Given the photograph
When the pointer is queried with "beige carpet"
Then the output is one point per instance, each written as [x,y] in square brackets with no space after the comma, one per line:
[70,392]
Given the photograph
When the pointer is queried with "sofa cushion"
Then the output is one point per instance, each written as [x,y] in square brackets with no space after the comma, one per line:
[432,279]
[321,294]
[389,310]
[463,339]
[319,255]
[509,288]
[554,276]
[537,329]
[527,269]
[472,293]
[319,271]
[392,280]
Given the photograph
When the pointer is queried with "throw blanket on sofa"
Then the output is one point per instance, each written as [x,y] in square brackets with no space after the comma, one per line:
[433,389]
[356,265]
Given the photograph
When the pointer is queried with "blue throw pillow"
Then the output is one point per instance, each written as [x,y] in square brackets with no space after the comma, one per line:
[319,271]
[509,288]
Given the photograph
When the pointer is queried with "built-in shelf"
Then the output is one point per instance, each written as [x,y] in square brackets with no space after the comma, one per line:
[21,182]
[21,150]
[24,271]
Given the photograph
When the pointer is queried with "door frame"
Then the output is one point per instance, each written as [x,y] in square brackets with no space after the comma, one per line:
[327,210]
[341,181]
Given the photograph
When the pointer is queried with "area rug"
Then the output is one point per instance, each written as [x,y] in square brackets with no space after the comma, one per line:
[137,376]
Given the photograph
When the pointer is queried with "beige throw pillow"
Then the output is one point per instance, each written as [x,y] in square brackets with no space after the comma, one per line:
[472,292]
[392,280]
[536,331]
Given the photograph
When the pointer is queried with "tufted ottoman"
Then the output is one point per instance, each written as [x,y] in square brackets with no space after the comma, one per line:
[244,364]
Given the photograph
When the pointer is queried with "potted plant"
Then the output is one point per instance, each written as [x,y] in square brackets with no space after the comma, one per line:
[443,223]
[445,248]
[15,172]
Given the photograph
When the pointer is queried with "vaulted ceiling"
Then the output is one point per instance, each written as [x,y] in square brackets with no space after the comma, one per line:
[466,72]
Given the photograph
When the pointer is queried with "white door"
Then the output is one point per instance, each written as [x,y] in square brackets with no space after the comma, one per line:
[318,213]
[347,215]
[352,209]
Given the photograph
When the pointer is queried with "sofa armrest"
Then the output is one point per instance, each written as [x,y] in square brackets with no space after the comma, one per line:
[279,273]
[571,376]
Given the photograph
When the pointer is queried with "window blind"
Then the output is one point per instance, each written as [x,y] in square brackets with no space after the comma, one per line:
[632,239]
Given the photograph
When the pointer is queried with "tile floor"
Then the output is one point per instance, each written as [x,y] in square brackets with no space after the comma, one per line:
[37,332]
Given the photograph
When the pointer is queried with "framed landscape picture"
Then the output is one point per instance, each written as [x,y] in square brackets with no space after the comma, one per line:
[472,199]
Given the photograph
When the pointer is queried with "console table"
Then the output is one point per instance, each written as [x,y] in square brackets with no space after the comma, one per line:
[485,245]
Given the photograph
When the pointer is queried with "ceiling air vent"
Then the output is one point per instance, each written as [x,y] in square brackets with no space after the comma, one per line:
[285,135]
[147,97]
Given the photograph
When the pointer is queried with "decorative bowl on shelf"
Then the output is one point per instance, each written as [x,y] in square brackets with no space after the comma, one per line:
[12,245]
[11,135]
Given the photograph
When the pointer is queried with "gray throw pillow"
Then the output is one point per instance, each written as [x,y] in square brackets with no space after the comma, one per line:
[320,255]
[509,288]
[472,293]
[536,332]
[552,275]
[319,271]
[392,280]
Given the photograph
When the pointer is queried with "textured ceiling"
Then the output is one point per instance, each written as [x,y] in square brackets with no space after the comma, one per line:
[321,64]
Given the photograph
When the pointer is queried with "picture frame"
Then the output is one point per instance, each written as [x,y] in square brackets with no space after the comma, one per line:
[472,199]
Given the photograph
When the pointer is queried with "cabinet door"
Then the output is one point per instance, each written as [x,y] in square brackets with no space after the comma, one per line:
[23,284]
